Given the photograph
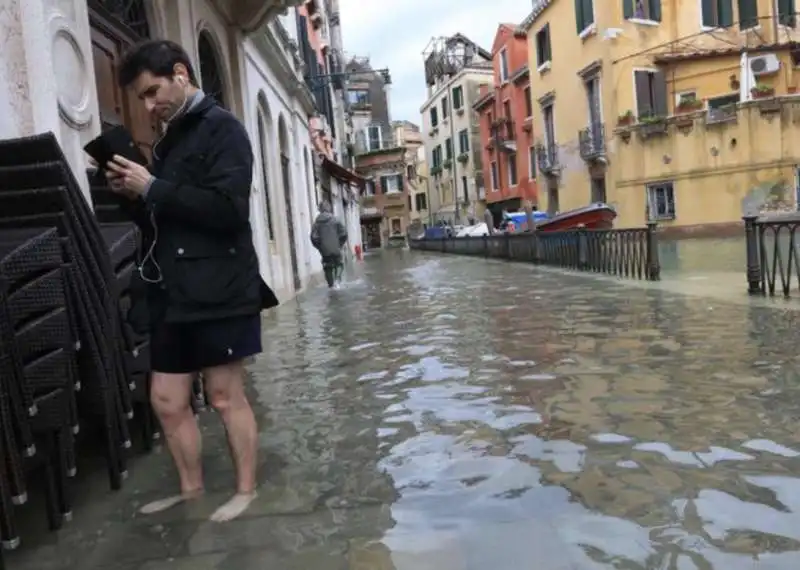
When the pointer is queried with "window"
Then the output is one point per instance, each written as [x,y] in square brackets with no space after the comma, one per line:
[421,202]
[358,97]
[504,65]
[463,141]
[660,201]
[528,102]
[373,133]
[651,94]
[396,226]
[369,188]
[531,162]
[748,14]
[411,172]
[543,52]
[724,101]
[434,117]
[787,13]
[584,15]
[549,125]
[512,169]
[593,99]
[458,98]
[392,183]
[448,149]
[465,188]
[507,109]
[648,10]
[495,181]
[490,119]
[445,110]
[717,13]
[263,143]
[436,160]
[685,97]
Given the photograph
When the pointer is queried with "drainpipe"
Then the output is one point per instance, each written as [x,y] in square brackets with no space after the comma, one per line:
[453,161]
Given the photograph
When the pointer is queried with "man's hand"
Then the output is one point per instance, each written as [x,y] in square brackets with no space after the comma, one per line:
[128,177]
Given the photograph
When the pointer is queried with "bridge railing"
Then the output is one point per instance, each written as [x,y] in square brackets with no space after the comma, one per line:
[630,253]
[773,254]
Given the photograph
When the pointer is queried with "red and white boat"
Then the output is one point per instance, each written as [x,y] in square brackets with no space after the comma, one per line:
[597,216]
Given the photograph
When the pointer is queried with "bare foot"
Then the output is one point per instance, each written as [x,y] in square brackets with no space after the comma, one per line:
[169,502]
[234,507]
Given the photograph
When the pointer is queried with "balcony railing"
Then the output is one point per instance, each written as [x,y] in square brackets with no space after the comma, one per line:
[592,141]
[547,157]
[375,139]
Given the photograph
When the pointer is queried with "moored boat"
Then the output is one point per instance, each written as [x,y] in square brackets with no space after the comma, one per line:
[597,216]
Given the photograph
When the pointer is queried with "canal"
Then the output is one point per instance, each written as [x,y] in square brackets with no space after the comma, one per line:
[451,413]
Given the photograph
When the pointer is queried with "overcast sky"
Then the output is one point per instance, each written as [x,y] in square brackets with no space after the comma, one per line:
[394,35]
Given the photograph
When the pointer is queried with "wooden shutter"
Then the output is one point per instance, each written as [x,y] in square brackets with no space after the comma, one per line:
[588,13]
[725,13]
[655,10]
[660,94]
[748,14]
[642,81]
[399,182]
[579,15]
[548,46]
[709,13]
[786,12]
[384,185]
[627,9]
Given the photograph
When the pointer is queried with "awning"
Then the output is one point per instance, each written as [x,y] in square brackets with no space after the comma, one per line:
[342,174]
[250,15]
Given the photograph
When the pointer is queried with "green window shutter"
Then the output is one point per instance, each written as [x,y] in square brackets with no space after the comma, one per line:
[579,15]
[786,11]
[709,20]
[655,10]
[400,183]
[588,12]
[627,9]
[748,14]
[725,13]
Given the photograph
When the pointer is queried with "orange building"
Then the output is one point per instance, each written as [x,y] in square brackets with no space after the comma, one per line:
[506,125]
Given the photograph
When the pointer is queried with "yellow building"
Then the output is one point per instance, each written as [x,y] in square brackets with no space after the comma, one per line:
[679,111]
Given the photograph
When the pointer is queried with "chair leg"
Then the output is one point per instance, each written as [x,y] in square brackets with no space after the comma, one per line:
[54,519]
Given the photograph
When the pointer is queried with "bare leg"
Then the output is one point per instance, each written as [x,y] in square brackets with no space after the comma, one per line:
[171,395]
[225,387]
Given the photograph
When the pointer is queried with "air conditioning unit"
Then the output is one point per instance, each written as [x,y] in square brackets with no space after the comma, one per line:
[765,64]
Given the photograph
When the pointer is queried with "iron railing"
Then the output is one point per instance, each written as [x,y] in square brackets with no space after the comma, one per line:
[592,141]
[773,254]
[547,157]
[629,253]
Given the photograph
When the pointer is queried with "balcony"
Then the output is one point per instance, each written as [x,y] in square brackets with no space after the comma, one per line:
[547,157]
[250,15]
[376,138]
[503,135]
[592,141]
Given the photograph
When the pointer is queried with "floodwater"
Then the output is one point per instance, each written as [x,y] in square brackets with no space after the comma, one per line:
[449,413]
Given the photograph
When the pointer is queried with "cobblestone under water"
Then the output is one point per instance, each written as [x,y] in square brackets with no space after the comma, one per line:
[448,413]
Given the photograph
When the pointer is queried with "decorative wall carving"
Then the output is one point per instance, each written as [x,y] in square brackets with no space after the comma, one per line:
[73,84]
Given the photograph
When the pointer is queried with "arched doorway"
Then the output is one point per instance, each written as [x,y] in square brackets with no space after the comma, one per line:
[286,176]
[264,126]
[211,75]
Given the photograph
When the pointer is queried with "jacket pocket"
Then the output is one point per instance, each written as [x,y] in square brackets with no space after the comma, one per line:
[209,273]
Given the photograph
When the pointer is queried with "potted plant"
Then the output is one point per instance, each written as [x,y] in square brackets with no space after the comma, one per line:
[626,119]
[792,90]
[463,157]
[652,125]
[761,91]
[447,164]
[460,111]
[436,170]
[688,104]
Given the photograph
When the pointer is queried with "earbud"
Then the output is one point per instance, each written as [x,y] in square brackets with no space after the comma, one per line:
[181,81]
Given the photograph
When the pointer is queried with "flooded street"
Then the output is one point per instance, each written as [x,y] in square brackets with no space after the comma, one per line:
[449,413]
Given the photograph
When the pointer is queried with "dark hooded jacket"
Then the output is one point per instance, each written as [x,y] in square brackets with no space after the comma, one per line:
[328,234]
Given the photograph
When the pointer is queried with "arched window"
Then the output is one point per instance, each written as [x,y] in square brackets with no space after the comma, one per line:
[211,75]
[262,145]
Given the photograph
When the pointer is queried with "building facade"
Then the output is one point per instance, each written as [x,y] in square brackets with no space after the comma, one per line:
[505,113]
[248,54]
[455,67]
[675,111]
[420,214]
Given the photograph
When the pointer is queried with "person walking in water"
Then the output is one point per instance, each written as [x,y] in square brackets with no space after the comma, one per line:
[204,291]
[329,235]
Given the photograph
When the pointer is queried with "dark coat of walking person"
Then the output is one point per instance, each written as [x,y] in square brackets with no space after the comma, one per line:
[203,288]
[329,235]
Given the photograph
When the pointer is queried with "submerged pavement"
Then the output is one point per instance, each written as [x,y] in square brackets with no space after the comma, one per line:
[451,413]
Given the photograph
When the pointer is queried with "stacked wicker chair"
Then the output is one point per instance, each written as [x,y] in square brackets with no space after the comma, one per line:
[68,358]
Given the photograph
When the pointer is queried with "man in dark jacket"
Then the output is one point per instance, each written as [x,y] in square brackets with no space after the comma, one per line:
[205,294]
[329,235]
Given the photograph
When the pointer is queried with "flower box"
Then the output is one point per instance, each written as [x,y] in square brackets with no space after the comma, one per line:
[762,92]
[463,157]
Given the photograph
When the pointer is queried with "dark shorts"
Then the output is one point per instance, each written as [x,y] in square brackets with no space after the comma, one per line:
[182,348]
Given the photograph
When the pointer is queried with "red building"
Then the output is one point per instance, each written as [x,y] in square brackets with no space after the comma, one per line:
[506,125]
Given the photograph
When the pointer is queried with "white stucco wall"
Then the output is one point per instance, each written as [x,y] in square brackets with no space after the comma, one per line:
[265,92]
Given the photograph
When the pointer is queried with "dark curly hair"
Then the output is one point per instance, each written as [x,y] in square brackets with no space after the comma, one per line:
[156,56]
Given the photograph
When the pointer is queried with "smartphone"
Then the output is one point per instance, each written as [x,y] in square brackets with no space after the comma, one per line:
[116,140]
